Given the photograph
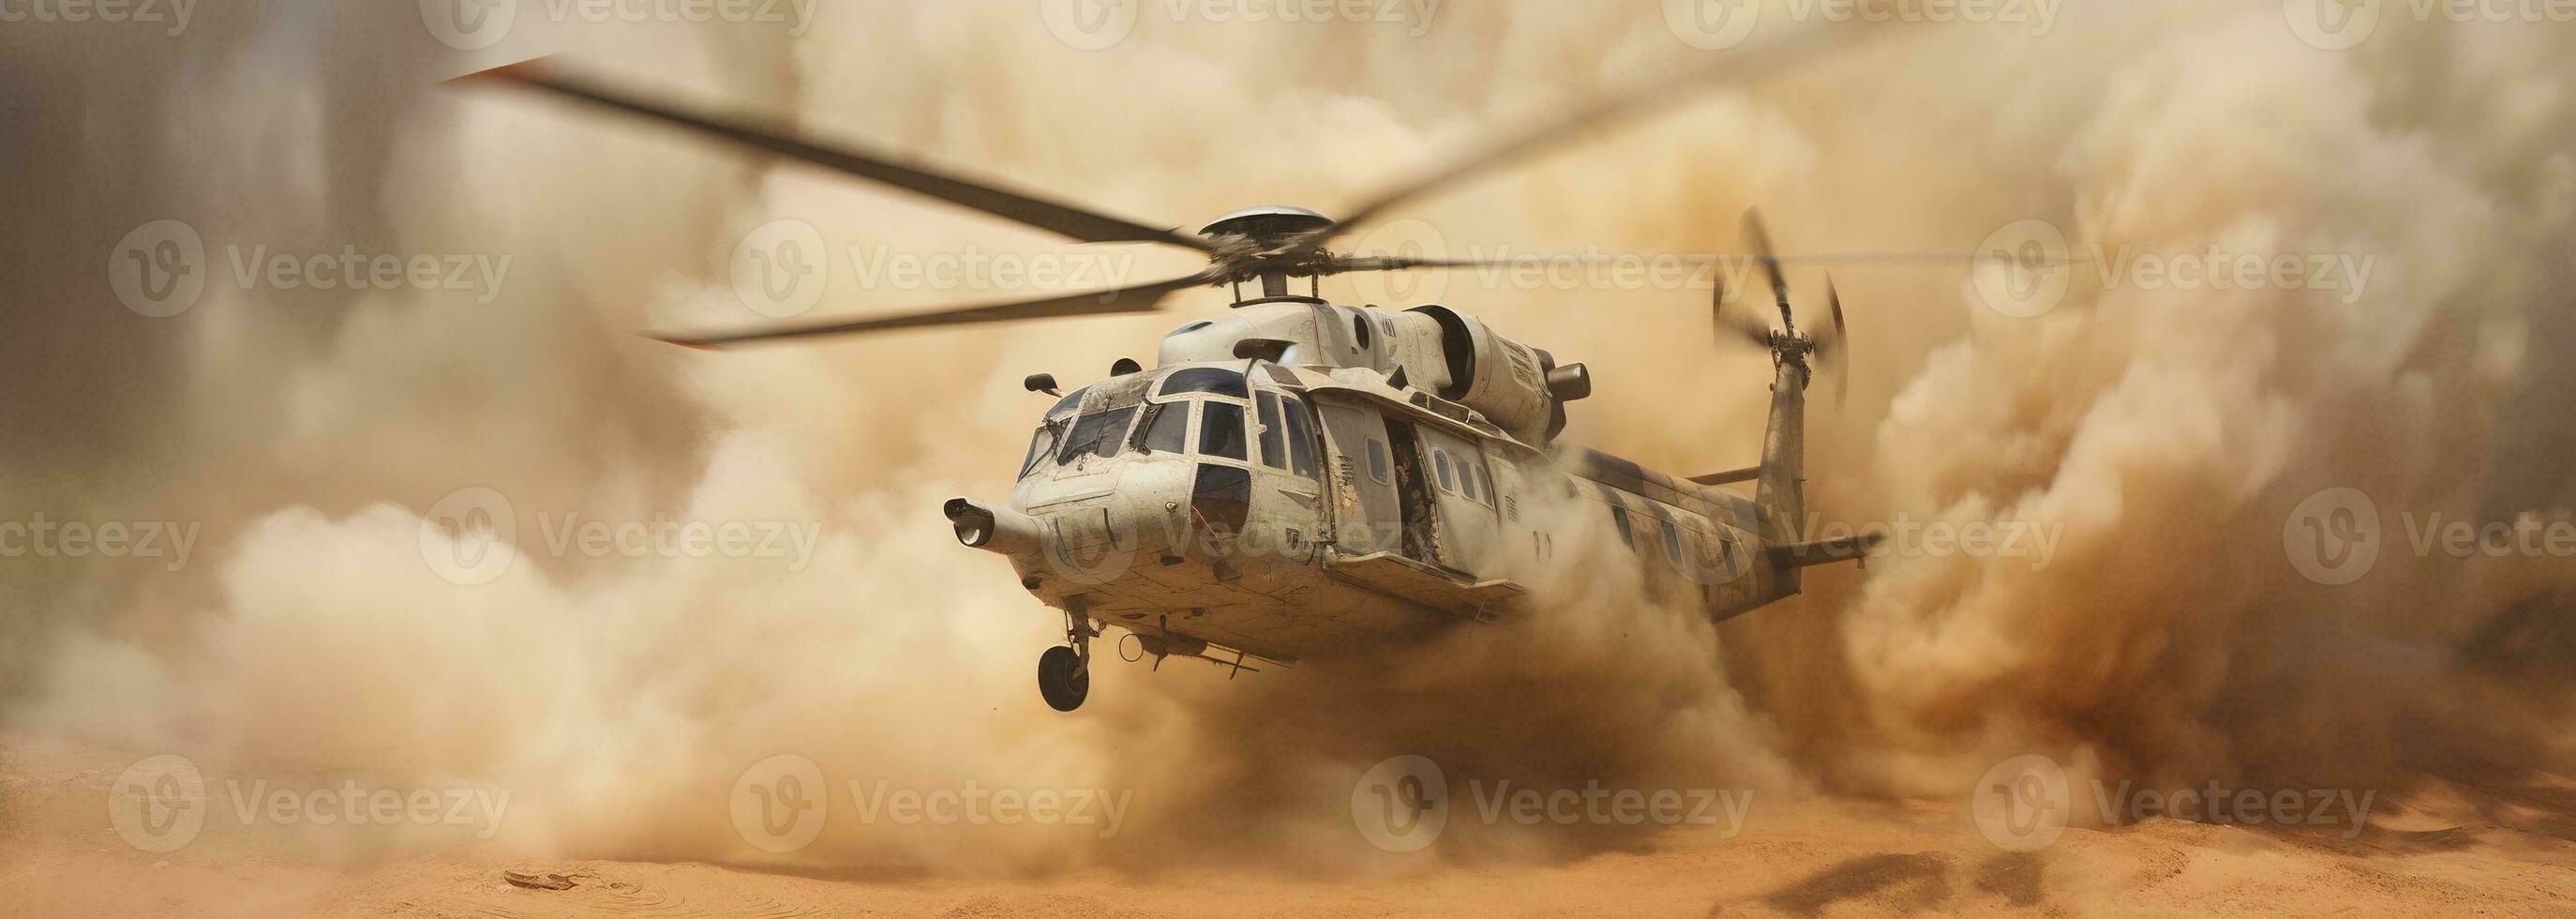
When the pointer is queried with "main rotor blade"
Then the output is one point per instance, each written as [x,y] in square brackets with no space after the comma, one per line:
[1143,298]
[1760,239]
[1733,327]
[1834,349]
[779,137]
[1550,132]
[1347,264]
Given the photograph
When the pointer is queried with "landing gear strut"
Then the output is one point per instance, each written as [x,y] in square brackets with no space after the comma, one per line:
[1064,671]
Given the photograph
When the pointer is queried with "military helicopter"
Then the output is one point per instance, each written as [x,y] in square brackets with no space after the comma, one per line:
[1298,478]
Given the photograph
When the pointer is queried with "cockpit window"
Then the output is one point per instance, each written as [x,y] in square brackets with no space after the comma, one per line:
[1167,427]
[1041,446]
[1214,380]
[1067,404]
[1098,433]
[1221,430]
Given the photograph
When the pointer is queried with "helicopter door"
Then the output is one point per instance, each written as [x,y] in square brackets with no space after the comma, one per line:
[1365,510]
[1468,524]
[1417,508]
[1288,495]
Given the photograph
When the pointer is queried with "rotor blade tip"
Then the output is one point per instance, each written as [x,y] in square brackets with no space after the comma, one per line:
[522,72]
[689,343]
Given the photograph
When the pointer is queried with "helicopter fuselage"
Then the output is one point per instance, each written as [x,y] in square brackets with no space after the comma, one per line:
[1318,494]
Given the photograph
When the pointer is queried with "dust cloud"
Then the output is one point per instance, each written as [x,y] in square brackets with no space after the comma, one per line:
[618,695]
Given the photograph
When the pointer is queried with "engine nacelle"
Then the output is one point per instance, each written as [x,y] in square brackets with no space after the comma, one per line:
[1517,387]
[1433,348]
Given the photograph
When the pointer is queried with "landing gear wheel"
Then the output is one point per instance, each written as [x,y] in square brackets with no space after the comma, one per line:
[1063,678]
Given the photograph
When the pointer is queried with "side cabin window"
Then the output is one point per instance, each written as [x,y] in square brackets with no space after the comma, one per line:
[1274,433]
[1379,468]
[1301,436]
[1287,434]
[1619,518]
[1448,477]
[1672,543]
[1222,496]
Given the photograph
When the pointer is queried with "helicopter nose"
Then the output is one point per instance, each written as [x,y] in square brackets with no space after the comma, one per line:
[992,529]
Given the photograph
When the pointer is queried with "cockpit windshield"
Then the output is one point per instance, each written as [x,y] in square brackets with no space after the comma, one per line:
[1114,417]
[1099,433]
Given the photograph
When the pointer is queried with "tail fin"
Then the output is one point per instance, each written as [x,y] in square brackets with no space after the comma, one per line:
[1780,487]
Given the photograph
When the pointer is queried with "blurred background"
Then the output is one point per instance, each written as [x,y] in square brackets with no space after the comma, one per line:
[308,427]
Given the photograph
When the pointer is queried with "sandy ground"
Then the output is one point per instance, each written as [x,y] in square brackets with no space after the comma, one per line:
[2441,849]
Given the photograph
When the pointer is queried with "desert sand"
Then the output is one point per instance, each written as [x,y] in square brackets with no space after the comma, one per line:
[2444,848]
